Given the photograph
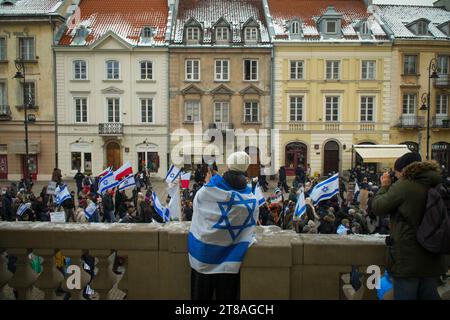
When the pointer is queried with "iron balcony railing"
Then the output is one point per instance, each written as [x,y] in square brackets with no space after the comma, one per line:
[441,121]
[411,121]
[110,129]
[5,112]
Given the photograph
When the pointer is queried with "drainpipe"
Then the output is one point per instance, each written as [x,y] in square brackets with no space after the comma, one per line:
[272,101]
[55,101]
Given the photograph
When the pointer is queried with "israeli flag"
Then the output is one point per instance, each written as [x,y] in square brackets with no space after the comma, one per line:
[356,192]
[326,189]
[259,195]
[300,207]
[22,208]
[172,174]
[61,194]
[107,182]
[222,227]
[127,183]
[90,210]
[160,209]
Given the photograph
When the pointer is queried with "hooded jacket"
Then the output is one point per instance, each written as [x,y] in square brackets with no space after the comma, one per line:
[405,202]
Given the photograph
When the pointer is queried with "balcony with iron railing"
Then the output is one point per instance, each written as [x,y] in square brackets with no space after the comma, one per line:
[441,121]
[110,129]
[411,122]
[5,112]
[443,81]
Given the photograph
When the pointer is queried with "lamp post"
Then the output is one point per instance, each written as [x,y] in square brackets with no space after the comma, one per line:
[432,74]
[20,74]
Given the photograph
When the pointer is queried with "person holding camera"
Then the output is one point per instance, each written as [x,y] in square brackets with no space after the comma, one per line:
[415,270]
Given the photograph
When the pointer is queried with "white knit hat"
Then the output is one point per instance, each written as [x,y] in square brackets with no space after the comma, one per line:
[238,161]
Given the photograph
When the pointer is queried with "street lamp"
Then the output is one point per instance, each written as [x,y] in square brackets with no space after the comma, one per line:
[20,74]
[432,74]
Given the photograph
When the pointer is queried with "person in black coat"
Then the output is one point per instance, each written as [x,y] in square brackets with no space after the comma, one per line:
[79,177]
[108,207]
[282,178]
[7,206]
[300,173]
[121,204]
[187,211]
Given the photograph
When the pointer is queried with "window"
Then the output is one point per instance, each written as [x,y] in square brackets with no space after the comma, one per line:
[81,115]
[251,34]
[76,158]
[443,64]
[3,99]
[192,111]
[422,28]
[296,70]
[146,110]
[296,108]
[2,48]
[192,34]
[409,104]
[332,70]
[250,70]
[368,70]
[147,32]
[367,109]
[30,94]
[364,28]
[221,34]
[442,104]
[409,64]
[221,112]
[330,27]
[222,70]
[79,70]
[113,109]
[112,70]
[332,108]
[150,160]
[146,70]
[26,48]
[251,112]
[295,27]
[192,70]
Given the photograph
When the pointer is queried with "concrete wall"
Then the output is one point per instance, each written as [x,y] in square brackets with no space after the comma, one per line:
[280,265]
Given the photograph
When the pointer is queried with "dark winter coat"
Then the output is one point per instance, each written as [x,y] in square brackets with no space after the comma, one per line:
[405,202]
[107,203]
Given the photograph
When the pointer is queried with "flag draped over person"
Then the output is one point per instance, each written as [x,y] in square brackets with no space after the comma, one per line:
[300,207]
[172,174]
[162,211]
[107,182]
[127,183]
[356,192]
[22,208]
[174,206]
[124,171]
[90,210]
[259,195]
[221,229]
[61,194]
[325,189]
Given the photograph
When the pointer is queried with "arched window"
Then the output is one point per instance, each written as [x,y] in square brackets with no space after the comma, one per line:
[422,28]
[364,28]
[295,27]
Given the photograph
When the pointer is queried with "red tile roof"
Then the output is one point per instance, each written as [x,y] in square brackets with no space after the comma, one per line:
[125,18]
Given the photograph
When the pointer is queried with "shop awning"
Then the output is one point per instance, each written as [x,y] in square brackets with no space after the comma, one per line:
[380,153]
[18,147]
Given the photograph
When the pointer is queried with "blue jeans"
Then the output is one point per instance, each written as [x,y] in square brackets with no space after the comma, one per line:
[109,216]
[416,289]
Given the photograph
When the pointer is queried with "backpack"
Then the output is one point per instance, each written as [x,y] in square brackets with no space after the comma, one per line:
[434,230]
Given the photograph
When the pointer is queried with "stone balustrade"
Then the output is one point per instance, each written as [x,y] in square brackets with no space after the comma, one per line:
[280,265]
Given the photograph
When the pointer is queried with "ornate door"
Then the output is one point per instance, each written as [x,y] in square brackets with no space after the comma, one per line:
[113,155]
[3,166]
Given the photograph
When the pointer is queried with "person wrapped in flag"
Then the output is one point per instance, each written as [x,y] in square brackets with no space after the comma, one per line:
[225,212]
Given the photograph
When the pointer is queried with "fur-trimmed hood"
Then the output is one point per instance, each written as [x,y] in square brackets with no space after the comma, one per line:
[426,172]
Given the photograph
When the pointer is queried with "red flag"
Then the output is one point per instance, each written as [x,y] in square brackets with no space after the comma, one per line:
[185,180]
[123,171]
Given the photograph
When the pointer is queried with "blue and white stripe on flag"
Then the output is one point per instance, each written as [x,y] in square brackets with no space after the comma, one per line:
[300,207]
[162,211]
[259,195]
[22,208]
[107,182]
[61,194]
[357,190]
[90,210]
[127,183]
[222,227]
[326,189]
[172,174]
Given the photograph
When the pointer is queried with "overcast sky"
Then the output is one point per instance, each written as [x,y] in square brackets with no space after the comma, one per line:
[406,2]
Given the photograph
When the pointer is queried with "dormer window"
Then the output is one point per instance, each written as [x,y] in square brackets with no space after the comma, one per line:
[364,28]
[251,34]
[147,32]
[422,28]
[295,28]
[330,27]
[80,35]
[445,28]
[222,34]
[192,34]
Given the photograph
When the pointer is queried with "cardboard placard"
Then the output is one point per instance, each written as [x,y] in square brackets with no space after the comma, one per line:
[51,187]
[58,217]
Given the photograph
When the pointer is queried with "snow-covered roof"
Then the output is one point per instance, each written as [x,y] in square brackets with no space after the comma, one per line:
[309,12]
[125,19]
[208,12]
[29,7]
[397,18]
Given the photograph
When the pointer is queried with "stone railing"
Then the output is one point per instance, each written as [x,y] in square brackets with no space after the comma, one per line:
[280,265]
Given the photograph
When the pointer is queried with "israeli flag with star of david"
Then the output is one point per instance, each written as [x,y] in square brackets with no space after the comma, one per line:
[61,194]
[222,227]
[326,189]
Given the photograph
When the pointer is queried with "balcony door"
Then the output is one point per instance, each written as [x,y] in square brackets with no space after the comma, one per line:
[295,155]
[113,156]
[113,109]
[3,166]
[221,112]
